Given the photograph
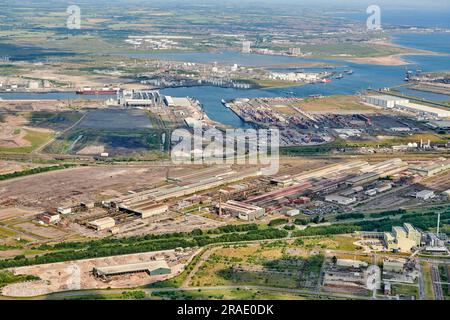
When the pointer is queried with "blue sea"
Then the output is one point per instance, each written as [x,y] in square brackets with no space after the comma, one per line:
[407,16]
[365,75]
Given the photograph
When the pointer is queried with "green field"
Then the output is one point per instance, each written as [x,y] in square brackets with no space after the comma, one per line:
[406,289]
[123,142]
[353,50]
[36,138]
[8,278]
[267,265]
[53,120]
[444,273]
[426,272]
[229,294]
[4,233]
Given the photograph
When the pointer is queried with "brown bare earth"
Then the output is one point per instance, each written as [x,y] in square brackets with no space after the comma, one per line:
[77,275]
[47,232]
[48,105]
[440,182]
[16,120]
[15,212]
[12,136]
[10,167]
[392,60]
[72,186]
[92,150]
[69,187]
[12,133]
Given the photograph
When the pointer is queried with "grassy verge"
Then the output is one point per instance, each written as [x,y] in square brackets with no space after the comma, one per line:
[229,294]
[34,171]
[312,150]
[125,295]
[426,272]
[406,289]
[177,281]
[9,278]
[66,251]
[423,219]
[444,275]
[36,139]
[112,247]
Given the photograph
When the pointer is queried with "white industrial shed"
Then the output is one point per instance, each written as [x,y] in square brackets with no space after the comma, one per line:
[391,102]
[425,110]
[151,268]
[102,224]
[385,101]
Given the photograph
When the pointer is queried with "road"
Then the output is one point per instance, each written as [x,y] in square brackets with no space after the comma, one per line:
[437,287]
[75,294]
[422,295]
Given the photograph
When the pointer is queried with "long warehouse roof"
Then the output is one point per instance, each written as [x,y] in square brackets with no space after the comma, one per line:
[134,267]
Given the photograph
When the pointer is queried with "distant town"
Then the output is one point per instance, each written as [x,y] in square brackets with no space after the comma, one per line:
[107,193]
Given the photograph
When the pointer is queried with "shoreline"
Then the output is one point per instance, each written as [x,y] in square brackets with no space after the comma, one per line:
[393,59]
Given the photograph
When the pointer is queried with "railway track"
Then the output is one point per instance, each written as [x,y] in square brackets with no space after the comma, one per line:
[436,279]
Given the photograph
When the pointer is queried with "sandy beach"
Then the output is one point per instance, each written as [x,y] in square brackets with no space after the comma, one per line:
[392,60]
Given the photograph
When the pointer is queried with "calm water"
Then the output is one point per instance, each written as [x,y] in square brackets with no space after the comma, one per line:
[365,76]
[425,95]
[437,42]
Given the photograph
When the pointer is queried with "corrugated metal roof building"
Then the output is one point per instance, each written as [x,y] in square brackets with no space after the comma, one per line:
[151,267]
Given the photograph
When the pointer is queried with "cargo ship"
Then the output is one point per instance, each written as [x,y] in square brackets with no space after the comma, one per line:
[105,91]
[226,104]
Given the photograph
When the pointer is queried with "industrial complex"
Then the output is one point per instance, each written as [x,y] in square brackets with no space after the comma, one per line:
[224,150]
[402,104]
[222,195]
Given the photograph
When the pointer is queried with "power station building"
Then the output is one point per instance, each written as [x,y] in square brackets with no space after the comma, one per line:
[402,239]
[136,98]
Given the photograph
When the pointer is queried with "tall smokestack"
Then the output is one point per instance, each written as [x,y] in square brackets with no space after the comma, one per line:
[438,223]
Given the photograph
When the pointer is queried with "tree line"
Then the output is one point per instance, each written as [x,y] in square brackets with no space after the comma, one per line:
[97,249]
[28,172]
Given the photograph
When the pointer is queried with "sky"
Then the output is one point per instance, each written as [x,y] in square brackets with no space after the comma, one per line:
[354,5]
[429,4]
